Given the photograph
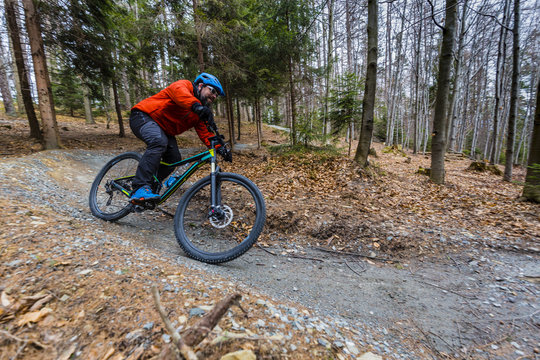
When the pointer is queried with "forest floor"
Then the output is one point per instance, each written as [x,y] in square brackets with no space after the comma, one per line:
[351,261]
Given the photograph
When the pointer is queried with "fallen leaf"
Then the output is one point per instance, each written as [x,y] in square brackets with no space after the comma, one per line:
[34,316]
[81,314]
[135,355]
[68,352]
[38,304]
[108,354]
[239,355]
[6,300]
[63,263]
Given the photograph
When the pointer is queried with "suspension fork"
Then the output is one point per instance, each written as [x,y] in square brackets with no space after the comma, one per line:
[214,196]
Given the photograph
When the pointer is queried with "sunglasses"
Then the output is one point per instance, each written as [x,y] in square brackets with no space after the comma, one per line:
[212,90]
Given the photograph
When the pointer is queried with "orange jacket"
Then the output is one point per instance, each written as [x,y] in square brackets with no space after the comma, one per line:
[171,109]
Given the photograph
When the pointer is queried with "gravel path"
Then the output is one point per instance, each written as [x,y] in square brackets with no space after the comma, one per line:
[483,303]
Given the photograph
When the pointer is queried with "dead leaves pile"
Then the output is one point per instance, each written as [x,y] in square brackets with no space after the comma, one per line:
[388,208]
[66,292]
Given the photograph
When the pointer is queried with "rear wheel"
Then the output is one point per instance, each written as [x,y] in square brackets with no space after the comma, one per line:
[222,234]
[107,200]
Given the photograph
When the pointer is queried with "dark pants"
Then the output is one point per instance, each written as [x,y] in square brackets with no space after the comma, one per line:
[160,146]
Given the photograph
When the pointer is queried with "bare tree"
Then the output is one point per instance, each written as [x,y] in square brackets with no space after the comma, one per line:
[513,98]
[198,28]
[456,81]
[499,80]
[368,104]
[531,190]
[43,82]
[22,71]
[4,84]
[438,144]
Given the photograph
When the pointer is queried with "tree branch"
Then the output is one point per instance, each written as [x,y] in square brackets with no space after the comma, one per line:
[433,15]
[490,16]
[186,351]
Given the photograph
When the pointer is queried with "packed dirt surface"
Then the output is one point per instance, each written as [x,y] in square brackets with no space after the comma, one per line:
[351,261]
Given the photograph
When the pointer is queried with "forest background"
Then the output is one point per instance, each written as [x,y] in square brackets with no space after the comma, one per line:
[300,64]
[332,73]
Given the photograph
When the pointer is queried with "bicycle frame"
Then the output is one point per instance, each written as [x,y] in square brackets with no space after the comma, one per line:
[196,162]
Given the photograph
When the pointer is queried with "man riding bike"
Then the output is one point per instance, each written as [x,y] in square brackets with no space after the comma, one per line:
[158,119]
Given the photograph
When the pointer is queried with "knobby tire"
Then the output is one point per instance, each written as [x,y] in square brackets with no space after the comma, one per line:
[201,240]
[122,165]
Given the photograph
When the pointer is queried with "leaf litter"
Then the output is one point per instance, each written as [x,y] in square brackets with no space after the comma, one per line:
[61,291]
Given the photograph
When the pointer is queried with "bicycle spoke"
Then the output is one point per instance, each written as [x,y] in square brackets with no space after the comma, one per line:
[107,200]
[227,230]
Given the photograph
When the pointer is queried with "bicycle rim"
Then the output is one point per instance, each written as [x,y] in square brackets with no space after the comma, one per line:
[106,201]
[219,239]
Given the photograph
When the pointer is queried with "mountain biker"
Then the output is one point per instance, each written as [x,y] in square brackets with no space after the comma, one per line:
[158,119]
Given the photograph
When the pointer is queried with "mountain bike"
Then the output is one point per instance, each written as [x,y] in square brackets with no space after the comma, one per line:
[217,219]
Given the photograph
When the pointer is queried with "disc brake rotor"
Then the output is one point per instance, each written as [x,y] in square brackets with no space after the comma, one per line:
[223,219]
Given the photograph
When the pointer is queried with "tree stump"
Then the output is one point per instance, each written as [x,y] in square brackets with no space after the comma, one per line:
[481,166]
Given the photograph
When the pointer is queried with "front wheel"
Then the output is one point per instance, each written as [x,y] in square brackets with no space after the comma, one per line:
[109,194]
[223,234]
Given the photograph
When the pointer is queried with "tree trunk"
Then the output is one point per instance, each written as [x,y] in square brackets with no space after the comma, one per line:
[4,85]
[528,120]
[238,117]
[16,80]
[416,106]
[229,112]
[22,71]
[438,144]
[349,37]
[388,68]
[531,190]
[329,65]
[121,131]
[257,116]
[451,126]
[107,103]
[368,103]
[391,135]
[87,105]
[125,86]
[499,76]
[43,82]
[513,98]
[293,103]
[200,57]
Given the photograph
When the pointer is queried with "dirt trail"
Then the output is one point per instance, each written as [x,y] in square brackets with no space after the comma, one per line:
[482,303]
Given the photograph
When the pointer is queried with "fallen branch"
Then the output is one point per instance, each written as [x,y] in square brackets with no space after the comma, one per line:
[228,335]
[186,351]
[354,271]
[305,257]
[18,339]
[445,289]
[268,251]
[196,333]
[38,304]
[531,315]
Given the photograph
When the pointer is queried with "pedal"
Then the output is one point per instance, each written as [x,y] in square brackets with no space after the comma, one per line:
[138,208]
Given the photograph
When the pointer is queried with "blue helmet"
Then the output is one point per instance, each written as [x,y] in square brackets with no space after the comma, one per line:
[211,80]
